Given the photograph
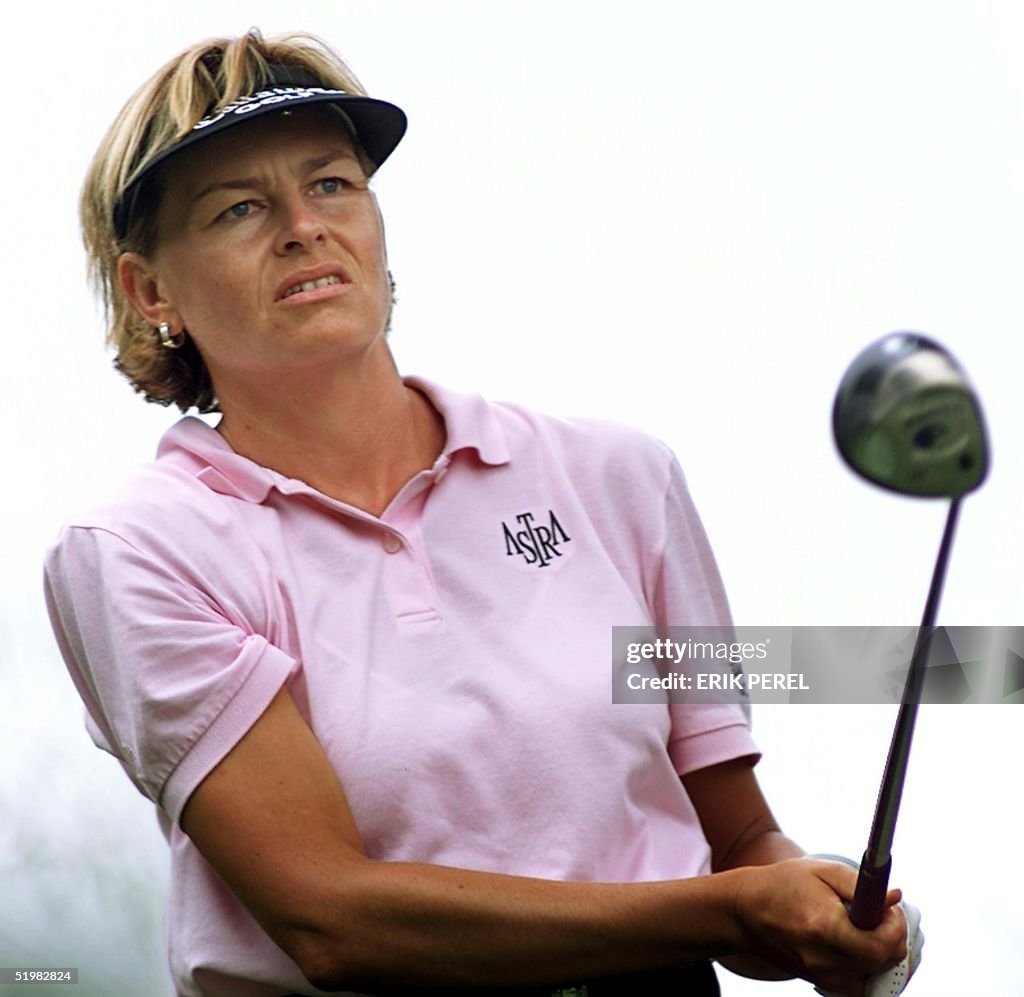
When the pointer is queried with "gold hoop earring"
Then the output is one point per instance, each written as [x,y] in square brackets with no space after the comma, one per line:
[167,341]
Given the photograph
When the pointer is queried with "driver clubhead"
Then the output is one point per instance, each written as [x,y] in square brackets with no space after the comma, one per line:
[906,418]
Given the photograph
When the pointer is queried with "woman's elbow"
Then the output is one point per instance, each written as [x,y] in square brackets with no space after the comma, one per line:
[325,961]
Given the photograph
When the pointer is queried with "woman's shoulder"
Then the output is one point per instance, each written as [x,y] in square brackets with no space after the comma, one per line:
[165,504]
[591,445]
[583,441]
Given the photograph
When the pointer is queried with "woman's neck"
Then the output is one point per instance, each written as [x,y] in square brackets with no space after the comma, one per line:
[357,434]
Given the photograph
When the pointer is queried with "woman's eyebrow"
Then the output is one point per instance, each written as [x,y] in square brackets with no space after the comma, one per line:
[243,183]
[317,162]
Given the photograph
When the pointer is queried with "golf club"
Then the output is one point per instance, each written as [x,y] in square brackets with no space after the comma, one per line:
[906,418]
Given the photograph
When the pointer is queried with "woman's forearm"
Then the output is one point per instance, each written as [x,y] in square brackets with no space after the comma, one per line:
[400,923]
[766,848]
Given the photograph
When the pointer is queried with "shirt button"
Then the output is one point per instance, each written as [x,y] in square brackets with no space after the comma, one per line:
[392,543]
[441,466]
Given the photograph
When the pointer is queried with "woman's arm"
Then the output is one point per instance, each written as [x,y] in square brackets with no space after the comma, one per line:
[736,818]
[273,820]
[742,832]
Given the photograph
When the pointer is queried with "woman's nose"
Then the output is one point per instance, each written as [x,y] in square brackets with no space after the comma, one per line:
[301,225]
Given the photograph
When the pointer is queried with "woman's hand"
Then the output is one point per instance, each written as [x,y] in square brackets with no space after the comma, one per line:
[793,915]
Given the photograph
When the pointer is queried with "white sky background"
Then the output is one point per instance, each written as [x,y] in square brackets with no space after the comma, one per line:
[685,216]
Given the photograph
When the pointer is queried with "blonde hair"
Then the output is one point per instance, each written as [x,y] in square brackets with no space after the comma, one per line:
[198,82]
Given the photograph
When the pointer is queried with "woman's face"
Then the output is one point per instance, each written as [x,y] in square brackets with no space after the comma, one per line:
[270,250]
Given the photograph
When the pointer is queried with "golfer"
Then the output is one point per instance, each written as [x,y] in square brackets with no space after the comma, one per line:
[353,640]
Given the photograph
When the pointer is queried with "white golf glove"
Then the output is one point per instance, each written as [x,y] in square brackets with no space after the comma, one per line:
[892,981]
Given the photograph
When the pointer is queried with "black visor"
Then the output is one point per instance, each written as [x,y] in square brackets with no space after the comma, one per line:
[378,125]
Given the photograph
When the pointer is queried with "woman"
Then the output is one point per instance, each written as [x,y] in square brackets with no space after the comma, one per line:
[352,641]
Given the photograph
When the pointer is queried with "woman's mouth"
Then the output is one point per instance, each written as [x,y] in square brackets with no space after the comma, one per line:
[311,285]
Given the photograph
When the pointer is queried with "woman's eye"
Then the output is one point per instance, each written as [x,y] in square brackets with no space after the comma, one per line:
[330,185]
[240,210]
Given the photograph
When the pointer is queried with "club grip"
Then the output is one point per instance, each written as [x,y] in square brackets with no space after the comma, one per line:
[869,897]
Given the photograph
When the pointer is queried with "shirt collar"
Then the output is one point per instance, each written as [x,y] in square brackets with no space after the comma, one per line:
[190,443]
[469,422]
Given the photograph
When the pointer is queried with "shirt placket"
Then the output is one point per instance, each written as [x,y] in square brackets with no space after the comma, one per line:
[408,579]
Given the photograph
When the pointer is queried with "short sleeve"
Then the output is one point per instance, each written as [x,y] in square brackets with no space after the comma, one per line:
[688,591]
[688,588]
[171,679]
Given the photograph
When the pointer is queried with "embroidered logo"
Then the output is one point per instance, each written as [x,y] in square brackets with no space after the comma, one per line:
[536,543]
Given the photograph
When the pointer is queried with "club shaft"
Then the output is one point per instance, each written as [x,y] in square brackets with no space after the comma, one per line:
[869,899]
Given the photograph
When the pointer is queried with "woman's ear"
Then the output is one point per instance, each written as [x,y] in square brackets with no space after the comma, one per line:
[139,283]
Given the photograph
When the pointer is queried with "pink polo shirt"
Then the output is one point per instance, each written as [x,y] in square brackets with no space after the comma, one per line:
[453,657]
